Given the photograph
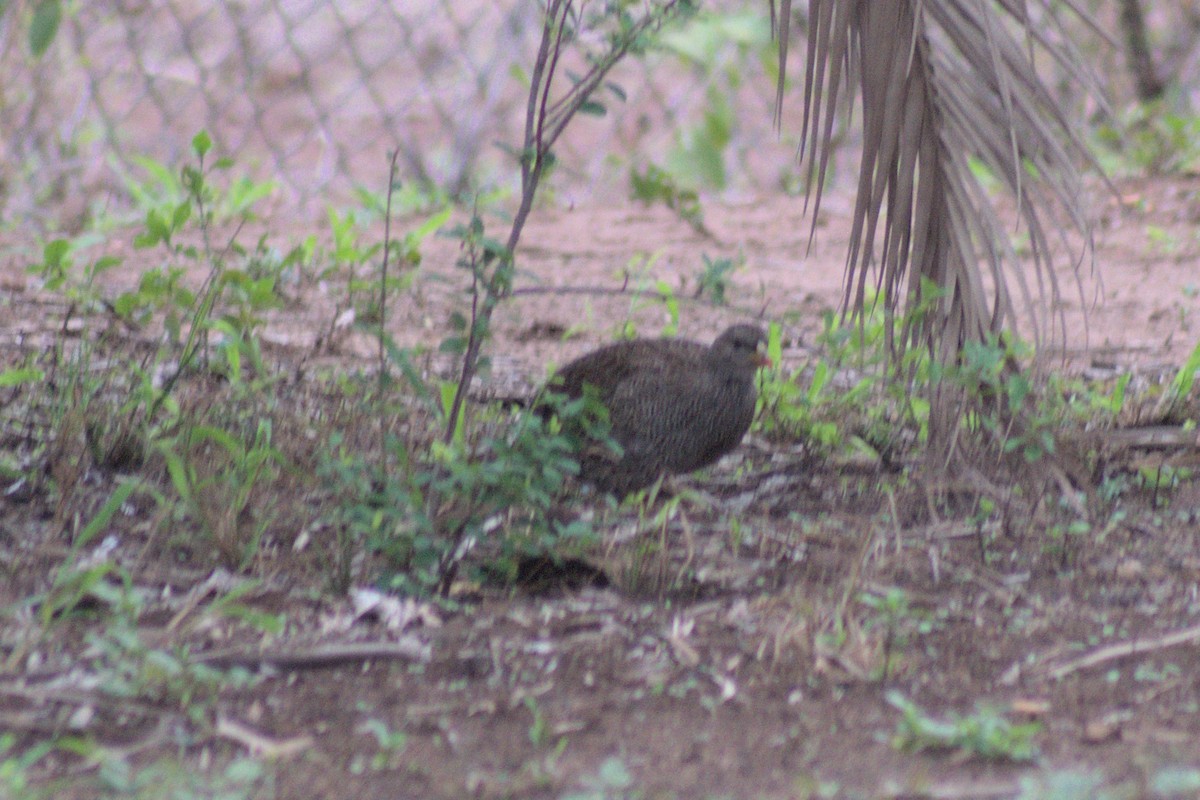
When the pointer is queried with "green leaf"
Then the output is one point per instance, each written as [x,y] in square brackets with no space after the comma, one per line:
[430,225]
[55,253]
[592,108]
[1181,385]
[182,212]
[46,17]
[103,264]
[101,520]
[15,377]
[201,143]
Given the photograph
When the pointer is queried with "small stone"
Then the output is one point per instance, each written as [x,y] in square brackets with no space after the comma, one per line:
[1130,569]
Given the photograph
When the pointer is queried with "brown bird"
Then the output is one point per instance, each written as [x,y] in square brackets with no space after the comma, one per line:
[674,405]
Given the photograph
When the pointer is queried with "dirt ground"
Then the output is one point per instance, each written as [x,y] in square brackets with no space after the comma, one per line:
[753,667]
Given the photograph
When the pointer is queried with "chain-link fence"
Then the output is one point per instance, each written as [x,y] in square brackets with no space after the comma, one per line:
[315,93]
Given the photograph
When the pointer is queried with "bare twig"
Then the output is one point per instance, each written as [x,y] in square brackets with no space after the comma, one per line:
[321,656]
[383,269]
[1113,652]
[544,123]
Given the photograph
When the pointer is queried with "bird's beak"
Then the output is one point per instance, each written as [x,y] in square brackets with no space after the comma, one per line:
[761,359]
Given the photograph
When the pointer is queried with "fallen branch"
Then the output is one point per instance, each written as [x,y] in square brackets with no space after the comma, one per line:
[1113,652]
[317,657]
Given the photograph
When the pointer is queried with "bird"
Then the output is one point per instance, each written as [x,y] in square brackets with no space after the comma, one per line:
[674,405]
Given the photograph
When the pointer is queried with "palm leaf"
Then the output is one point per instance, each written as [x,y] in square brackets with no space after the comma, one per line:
[943,82]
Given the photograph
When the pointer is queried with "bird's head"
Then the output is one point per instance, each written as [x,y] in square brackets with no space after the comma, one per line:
[744,345]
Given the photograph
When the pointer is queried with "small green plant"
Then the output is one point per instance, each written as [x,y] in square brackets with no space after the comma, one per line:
[714,278]
[894,615]
[1151,138]
[1004,402]
[392,744]
[161,289]
[15,768]
[129,668]
[1161,480]
[57,271]
[367,290]
[1088,400]
[241,779]
[849,403]
[426,500]
[612,781]
[1183,382]
[122,410]
[1162,240]
[537,727]
[986,734]
[648,291]
[77,580]
[1063,539]
[646,563]
[216,473]
[655,185]
[163,188]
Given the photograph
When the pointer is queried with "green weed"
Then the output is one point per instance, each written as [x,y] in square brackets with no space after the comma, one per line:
[655,185]
[392,744]
[713,280]
[985,734]
[241,779]
[893,614]
[15,768]
[1153,138]
[611,781]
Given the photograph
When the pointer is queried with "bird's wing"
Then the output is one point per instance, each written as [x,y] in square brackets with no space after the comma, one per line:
[613,367]
[650,399]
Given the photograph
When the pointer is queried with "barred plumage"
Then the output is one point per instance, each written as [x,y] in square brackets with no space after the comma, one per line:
[675,406]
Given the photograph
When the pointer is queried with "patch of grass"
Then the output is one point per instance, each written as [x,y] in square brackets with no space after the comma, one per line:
[713,280]
[844,401]
[1150,137]
[656,185]
[114,406]
[986,734]
[218,474]
[424,502]
[391,744]
[15,768]
[612,781]
[241,779]
[892,613]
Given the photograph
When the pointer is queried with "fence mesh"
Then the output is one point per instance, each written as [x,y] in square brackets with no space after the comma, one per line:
[315,93]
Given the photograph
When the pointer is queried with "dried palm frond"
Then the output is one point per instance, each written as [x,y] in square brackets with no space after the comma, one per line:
[943,82]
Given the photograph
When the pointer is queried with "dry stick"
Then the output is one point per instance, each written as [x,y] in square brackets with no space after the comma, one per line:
[383,270]
[1115,651]
[864,551]
[318,657]
[531,170]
